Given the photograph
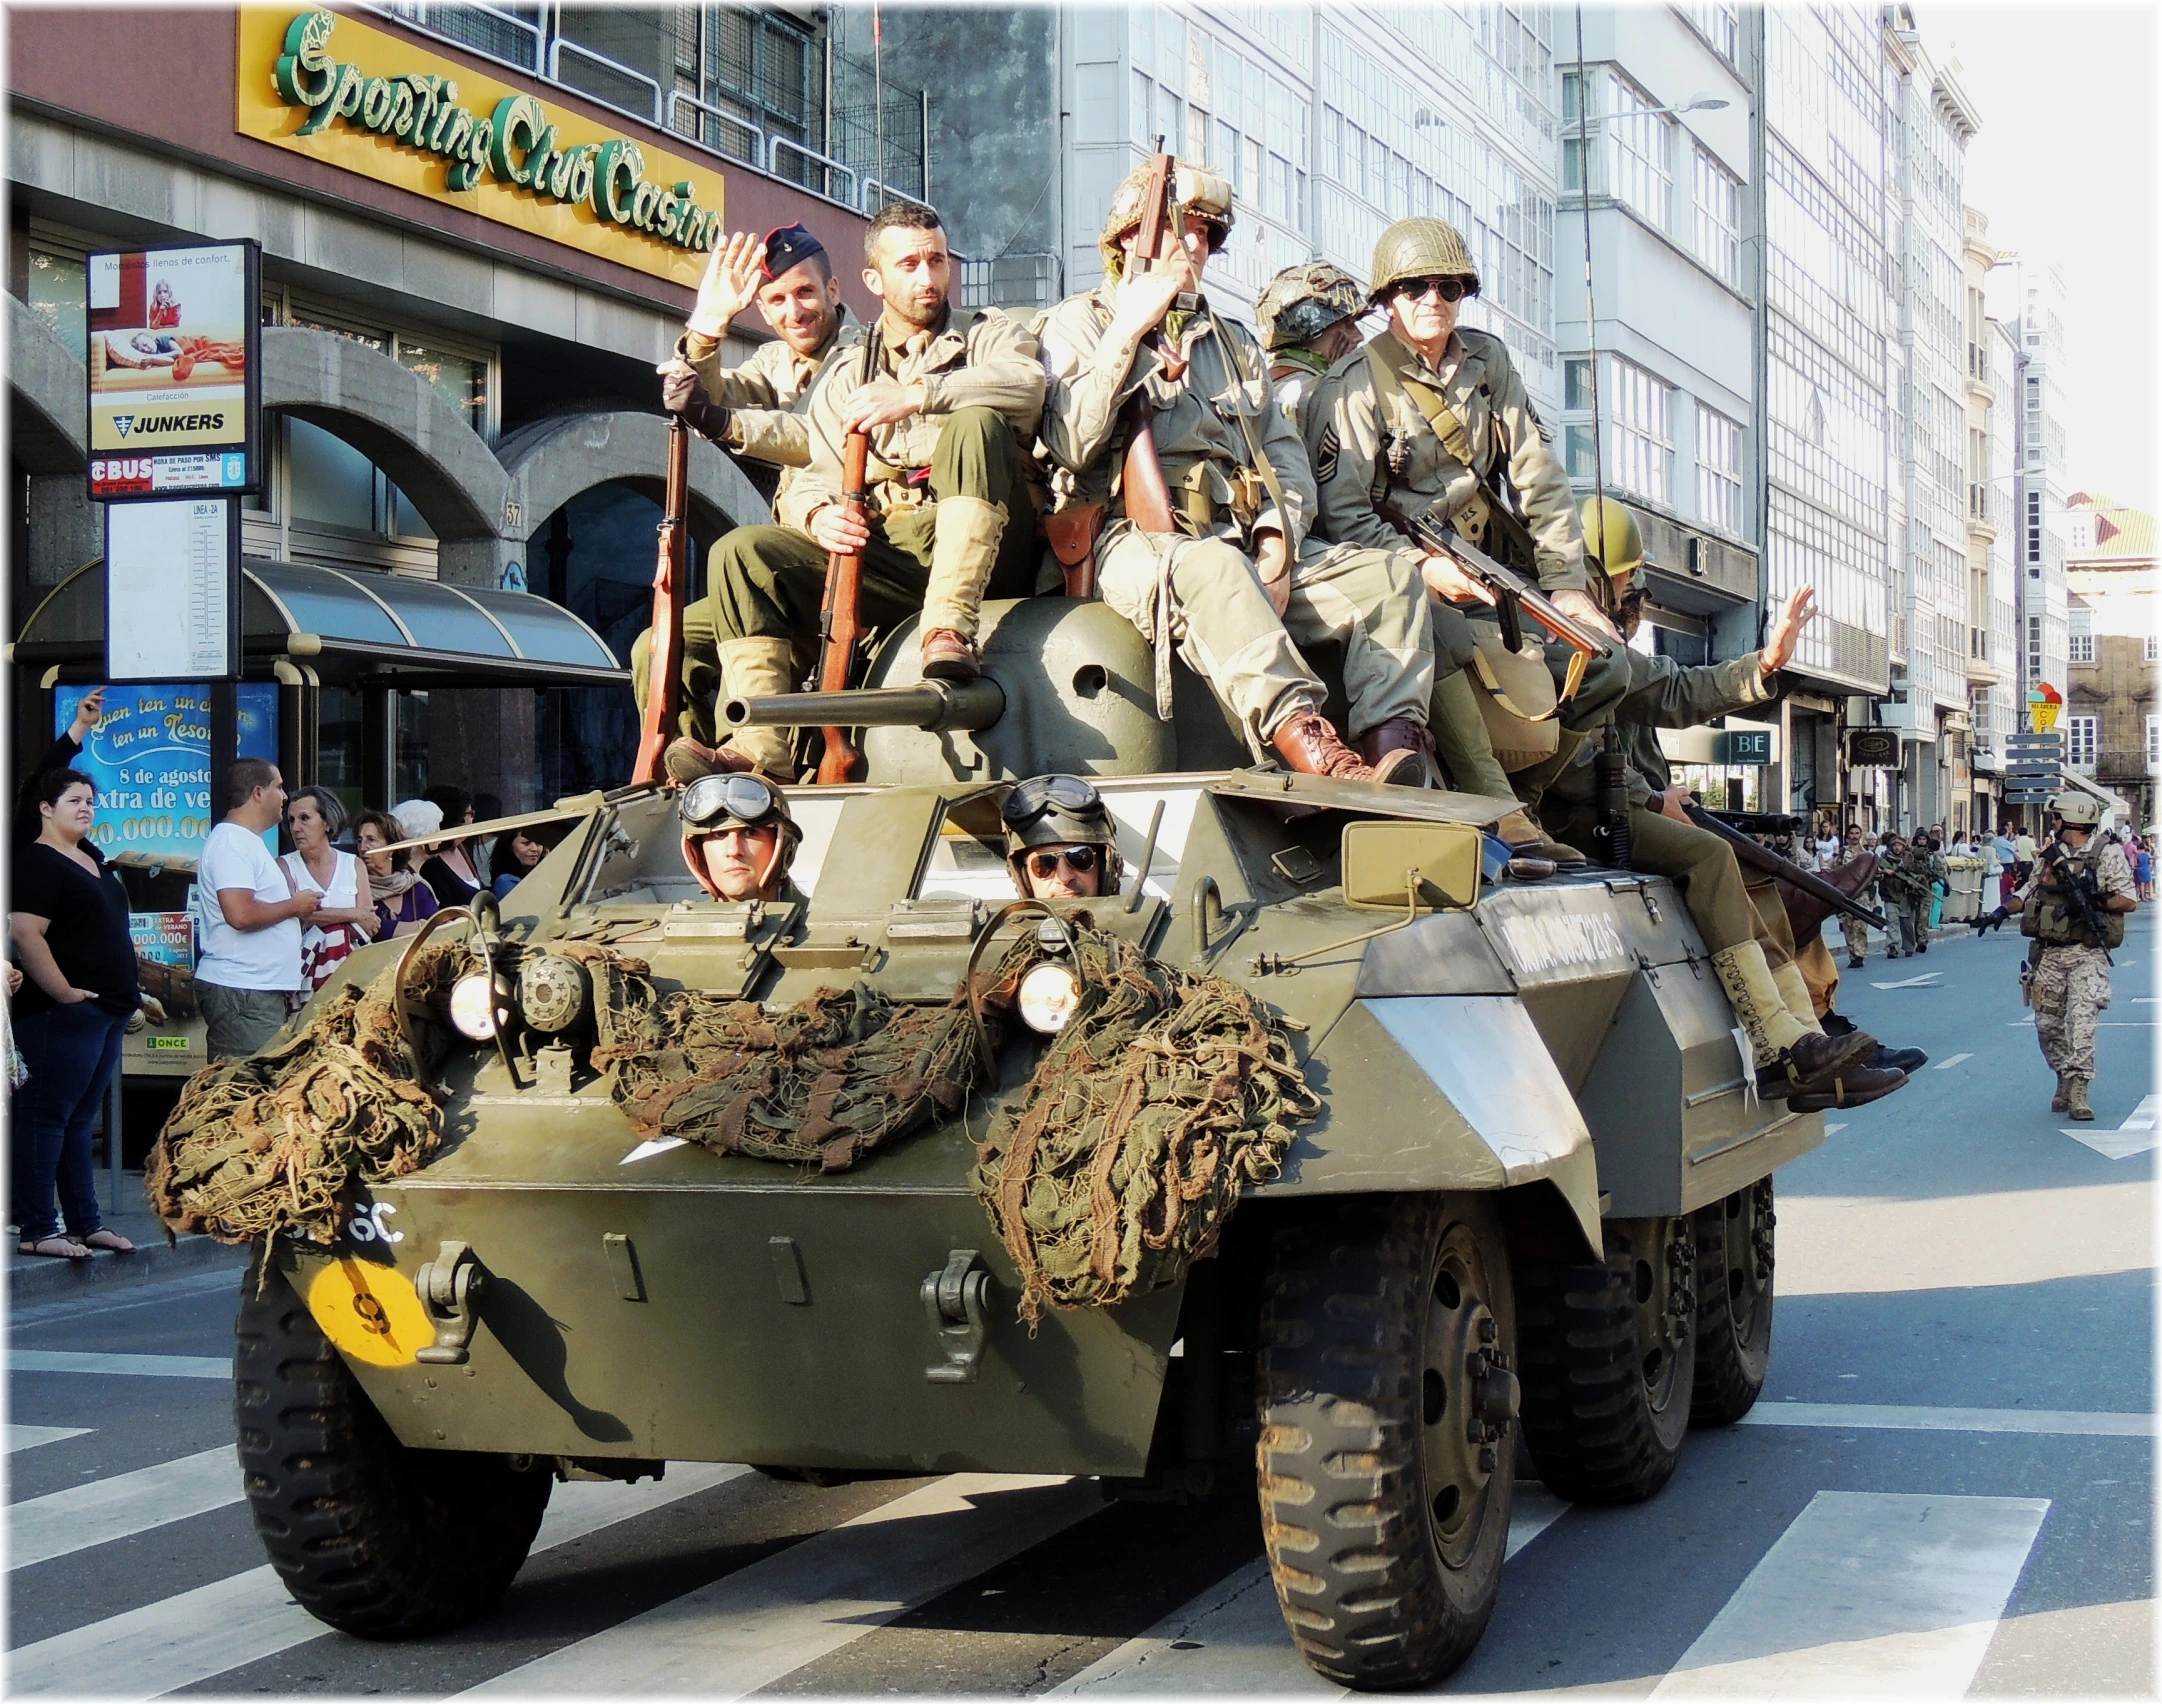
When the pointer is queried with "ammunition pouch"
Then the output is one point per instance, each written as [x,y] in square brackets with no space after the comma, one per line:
[1516,698]
[2049,917]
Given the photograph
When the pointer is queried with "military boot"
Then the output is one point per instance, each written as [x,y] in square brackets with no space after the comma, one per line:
[1397,751]
[2057,1101]
[1789,1058]
[964,549]
[760,668]
[1307,743]
[1527,839]
[2075,1100]
[1794,995]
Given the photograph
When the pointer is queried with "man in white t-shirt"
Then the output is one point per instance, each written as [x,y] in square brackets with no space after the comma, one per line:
[251,917]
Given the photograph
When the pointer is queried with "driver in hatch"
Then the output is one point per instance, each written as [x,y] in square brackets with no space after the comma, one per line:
[1060,840]
[739,838]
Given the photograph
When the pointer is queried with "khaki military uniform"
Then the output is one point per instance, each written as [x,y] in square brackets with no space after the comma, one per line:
[1195,589]
[1296,375]
[2070,986]
[1905,886]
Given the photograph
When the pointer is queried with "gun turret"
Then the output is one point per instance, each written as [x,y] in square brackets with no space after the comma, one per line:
[934,706]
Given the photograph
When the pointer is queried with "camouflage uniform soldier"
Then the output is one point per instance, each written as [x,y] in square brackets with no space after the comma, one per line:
[2069,988]
[1309,317]
[1229,586]
[754,411]
[1857,932]
[1905,887]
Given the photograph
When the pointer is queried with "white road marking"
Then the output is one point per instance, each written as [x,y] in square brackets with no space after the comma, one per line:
[1867,1594]
[1925,980]
[1887,1417]
[1833,1129]
[120,1505]
[1850,1245]
[1231,1638]
[29,1437]
[1956,1059]
[749,1628]
[183,1640]
[658,1145]
[2136,1135]
[135,1366]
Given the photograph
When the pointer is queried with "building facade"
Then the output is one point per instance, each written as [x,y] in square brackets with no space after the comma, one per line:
[2112,722]
[2043,486]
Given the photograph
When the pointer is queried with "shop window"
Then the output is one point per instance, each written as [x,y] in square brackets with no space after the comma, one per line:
[461,380]
[331,483]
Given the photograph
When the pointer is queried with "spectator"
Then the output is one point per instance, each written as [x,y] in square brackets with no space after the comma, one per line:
[2143,865]
[1827,845]
[345,918]
[251,917]
[486,808]
[516,852]
[449,868]
[2006,854]
[403,902]
[65,750]
[68,920]
[2022,858]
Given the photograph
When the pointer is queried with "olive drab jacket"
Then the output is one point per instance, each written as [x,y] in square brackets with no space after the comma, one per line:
[1641,694]
[1207,420]
[1370,443]
[767,396]
[980,358]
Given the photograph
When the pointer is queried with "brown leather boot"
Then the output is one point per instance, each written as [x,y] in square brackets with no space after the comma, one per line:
[686,760]
[1399,752]
[1527,839]
[1855,1087]
[947,655]
[1815,1065]
[1308,744]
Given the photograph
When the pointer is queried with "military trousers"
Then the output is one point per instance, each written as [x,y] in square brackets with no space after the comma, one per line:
[1857,933]
[1461,739]
[1906,931]
[769,582]
[2069,992]
[1699,862]
[701,673]
[1200,596]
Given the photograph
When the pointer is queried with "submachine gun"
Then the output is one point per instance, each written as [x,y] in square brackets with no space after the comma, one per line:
[1747,851]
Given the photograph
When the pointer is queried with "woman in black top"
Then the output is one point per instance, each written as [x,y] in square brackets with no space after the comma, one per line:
[68,923]
[449,870]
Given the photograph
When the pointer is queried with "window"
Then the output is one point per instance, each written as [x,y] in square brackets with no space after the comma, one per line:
[2082,636]
[2080,735]
[2151,649]
[1721,26]
[56,294]
[1715,236]
[1719,470]
[2154,744]
[1576,382]
[1639,153]
[1643,431]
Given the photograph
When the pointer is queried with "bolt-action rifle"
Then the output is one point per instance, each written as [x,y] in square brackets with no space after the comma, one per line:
[1747,851]
[1146,495]
[840,618]
[664,673]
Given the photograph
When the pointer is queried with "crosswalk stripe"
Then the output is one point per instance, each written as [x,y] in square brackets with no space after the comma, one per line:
[1887,1417]
[749,1628]
[191,1637]
[1956,1059]
[29,1437]
[120,1505]
[1231,1638]
[1867,1594]
[137,1366]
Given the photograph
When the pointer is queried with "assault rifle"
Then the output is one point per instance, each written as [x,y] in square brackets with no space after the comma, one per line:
[1431,531]
[1146,495]
[2080,894]
[664,671]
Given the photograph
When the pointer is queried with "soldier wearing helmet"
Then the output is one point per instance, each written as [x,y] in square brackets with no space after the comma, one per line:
[1309,317]
[739,838]
[1060,840]
[2068,984]
[1228,584]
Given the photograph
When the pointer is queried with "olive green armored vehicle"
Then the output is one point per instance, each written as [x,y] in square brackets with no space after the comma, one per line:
[1534,1207]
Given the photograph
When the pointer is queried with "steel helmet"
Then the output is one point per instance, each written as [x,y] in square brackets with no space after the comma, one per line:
[1628,553]
[1421,248]
[1059,810]
[2077,810]
[1302,302]
[1202,194]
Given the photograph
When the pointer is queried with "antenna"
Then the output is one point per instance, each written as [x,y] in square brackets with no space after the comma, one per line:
[1591,315]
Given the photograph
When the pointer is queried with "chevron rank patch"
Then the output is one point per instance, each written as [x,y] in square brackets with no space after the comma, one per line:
[1330,447]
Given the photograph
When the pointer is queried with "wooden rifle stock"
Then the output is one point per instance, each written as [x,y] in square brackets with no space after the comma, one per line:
[840,621]
[1147,498]
[664,664]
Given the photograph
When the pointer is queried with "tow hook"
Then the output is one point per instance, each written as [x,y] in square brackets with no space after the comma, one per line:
[451,1287]
[956,1302]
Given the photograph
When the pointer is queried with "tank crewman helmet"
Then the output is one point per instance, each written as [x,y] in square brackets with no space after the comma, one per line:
[1204,197]
[1421,248]
[1302,302]
[1060,810]
[714,803]
[1605,519]
[2077,810]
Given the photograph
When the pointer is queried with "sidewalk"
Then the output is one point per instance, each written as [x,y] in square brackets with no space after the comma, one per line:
[40,1278]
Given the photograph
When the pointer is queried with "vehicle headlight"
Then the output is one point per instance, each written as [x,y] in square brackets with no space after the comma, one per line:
[1050,995]
[472,1006]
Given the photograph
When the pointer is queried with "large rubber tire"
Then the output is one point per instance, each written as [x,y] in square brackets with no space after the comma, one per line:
[1608,1356]
[369,1536]
[1734,1304]
[1386,1401]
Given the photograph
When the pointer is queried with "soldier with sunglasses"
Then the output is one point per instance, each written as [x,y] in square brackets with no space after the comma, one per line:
[1061,842]
[739,839]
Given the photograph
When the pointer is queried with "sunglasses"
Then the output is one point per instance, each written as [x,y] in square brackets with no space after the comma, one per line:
[1079,859]
[1040,793]
[1448,289]
[715,798]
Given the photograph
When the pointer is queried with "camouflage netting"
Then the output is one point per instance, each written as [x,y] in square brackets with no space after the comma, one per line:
[279,1141]
[1153,1109]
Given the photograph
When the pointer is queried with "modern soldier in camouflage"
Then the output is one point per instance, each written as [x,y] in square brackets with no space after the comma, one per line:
[2070,985]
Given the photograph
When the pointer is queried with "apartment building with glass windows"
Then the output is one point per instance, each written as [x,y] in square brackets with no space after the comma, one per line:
[2043,487]
[1991,670]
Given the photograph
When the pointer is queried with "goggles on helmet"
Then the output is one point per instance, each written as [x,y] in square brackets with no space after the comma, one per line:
[1041,793]
[712,800]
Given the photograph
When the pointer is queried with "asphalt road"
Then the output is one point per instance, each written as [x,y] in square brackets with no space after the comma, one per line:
[1948,1486]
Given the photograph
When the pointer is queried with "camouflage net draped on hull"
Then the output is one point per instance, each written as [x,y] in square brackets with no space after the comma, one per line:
[278,1141]
[1153,1109]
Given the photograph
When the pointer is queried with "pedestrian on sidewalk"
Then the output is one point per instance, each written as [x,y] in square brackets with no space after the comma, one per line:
[403,902]
[345,915]
[449,869]
[2069,984]
[2006,853]
[29,824]
[2143,865]
[252,918]
[68,922]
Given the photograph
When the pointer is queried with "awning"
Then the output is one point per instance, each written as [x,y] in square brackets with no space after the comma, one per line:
[2110,801]
[355,627]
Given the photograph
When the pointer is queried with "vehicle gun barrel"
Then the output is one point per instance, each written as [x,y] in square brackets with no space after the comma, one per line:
[934,706]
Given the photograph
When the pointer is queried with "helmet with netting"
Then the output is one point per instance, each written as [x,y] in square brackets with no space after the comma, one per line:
[1422,248]
[1203,195]
[1302,302]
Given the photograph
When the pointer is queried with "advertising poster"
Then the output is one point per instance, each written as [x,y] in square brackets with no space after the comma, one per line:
[150,758]
[174,351]
[163,937]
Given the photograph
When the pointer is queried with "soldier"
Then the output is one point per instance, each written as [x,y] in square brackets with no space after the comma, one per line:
[1904,886]
[1228,586]
[1857,932]
[2069,987]
[1433,415]
[1309,319]
[739,838]
[1060,840]
[950,398]
[755,410]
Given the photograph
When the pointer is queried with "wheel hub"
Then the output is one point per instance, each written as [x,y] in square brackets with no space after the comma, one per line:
[1470,1395]
[1665,1279]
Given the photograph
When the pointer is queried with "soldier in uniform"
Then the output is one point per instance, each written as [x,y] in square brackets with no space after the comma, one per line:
[739,838]
[2069,985]
[950,398]
[1904,885]
[754,411]
[1857,932]
[1229,586]
[1060,840]
[1309,318]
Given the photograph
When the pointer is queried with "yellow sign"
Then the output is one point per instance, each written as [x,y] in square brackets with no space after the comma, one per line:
[2042,713]
[370,1312]
[333,88]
